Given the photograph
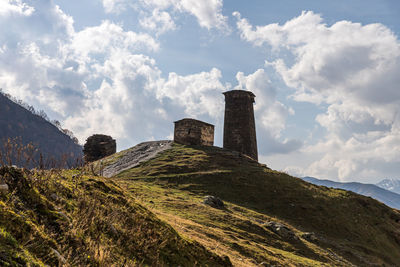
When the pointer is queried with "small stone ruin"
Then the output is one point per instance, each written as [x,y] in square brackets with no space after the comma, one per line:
[194,132]
[99,146]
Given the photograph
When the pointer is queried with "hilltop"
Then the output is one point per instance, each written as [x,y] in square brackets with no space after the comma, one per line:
[18,122]
[269,216]
[153,213]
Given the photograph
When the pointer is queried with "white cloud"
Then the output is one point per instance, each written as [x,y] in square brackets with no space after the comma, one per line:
[115,6]
[46,63]
[108,36]
[158,21]
[159,4]
[124,105]
[346,58]
[31,60]
[270,113]
[99,80]
[351,68]
[207,12]
[199,94]
[44,20]
[134,103]
[9,7]
[366,156]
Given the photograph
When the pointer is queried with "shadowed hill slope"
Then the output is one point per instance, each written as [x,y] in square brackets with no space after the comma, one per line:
[17,122]
[67,218]
[323,226]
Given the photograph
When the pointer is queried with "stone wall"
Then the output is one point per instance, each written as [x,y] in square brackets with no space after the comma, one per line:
[194,132]
[239,124]
[98,146]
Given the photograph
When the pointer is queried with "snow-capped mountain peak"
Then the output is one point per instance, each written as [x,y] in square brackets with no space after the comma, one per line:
[390,184]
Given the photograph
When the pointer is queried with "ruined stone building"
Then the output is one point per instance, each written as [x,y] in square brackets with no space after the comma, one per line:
[239,124]
[98,146]
[194,132]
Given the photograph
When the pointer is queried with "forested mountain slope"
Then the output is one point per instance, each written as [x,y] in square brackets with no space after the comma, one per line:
[18,122]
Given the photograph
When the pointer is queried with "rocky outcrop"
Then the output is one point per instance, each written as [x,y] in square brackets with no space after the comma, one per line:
[134,156]
[4,188]
[214,202]
[98,146]
[310,236]
[281,230]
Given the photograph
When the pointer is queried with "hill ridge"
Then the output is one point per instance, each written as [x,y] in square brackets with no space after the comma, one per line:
[18,122]
[346,228]
[155,213]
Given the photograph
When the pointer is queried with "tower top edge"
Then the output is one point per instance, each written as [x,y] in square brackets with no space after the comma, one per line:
[193,121]
[239,92]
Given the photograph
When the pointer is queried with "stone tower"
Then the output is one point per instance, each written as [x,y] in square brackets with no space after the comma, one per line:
[98,146]
[239,124]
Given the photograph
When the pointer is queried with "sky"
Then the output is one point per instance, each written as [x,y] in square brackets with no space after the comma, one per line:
[326,74]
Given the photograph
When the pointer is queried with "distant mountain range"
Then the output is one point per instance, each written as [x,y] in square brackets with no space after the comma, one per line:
[26,126]
[390,198]
[390,184]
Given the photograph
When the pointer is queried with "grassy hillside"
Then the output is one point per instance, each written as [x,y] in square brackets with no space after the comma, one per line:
[324,226]
[67,218]
[153,215]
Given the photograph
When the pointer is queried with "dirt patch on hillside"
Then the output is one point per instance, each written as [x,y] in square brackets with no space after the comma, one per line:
[134,156]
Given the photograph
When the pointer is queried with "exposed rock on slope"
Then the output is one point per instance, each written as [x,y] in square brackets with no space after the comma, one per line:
[132,157]
[214,202]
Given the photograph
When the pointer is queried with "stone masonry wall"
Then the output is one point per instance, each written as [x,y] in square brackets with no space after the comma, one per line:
[98,146]
[194,132]
[239,124]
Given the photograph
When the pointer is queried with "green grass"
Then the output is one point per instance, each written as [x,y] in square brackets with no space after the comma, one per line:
[89,221]
[153,215]
[11,254]
[350,228]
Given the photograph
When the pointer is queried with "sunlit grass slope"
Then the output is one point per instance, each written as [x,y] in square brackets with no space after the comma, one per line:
[348,228]
[67,218]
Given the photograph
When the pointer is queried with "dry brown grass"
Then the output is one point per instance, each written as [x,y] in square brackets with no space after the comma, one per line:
[88,221]
[350,228]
